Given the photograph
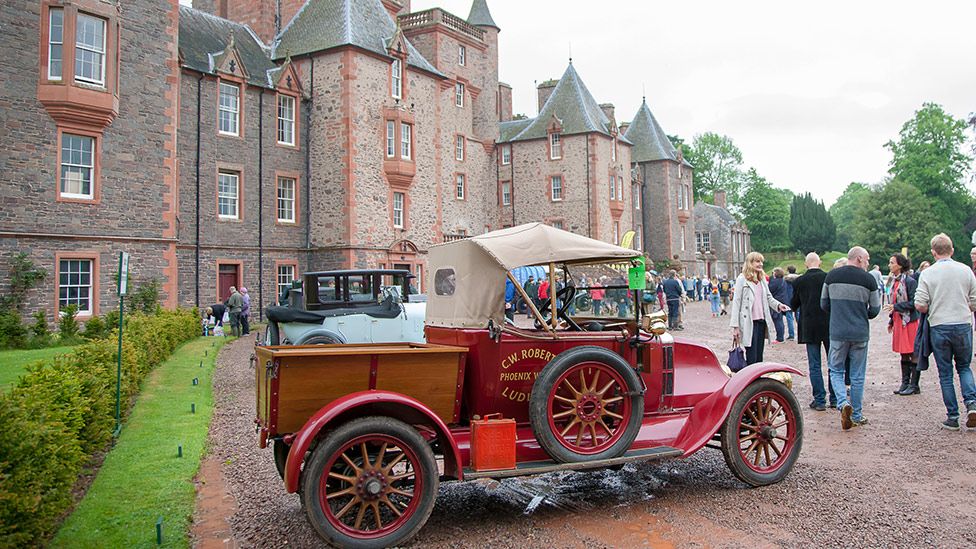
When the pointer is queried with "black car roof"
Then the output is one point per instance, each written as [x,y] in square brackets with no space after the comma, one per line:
[346,272]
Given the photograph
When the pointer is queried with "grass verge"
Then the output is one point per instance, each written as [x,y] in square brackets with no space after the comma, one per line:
[142,478]
[14,363]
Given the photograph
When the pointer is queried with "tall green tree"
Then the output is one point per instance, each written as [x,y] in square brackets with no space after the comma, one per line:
[718,166]
[895,215]
[929,155]
[843,212]
[811,228]
[767,213]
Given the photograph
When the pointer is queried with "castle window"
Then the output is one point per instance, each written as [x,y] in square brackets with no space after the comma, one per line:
[459,184]
[459,148]
[637,197]
[556,187]
[555,146]
[637,237]
[90,50]
[506,155]
[230,101]
[506,193]
[55,44]
[613,150]
[398,212]
[682,238]
[286,200]
[462,54]
[75,284]
[286,273]
[286,120]
[613,188]
[396,79]
[390,139]
[77,166]
[620,188]
[228,195]
[405,141]
[558,224]
[459,94]
[616,232]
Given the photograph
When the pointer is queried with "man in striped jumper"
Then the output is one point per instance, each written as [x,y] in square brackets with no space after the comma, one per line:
[850,297]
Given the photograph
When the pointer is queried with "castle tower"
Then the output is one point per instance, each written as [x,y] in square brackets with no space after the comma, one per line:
[486,111]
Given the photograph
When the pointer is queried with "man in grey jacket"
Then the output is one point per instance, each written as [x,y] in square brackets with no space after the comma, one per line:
[850,296]
[947,292]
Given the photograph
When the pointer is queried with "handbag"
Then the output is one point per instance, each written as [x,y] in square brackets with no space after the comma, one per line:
[737,358]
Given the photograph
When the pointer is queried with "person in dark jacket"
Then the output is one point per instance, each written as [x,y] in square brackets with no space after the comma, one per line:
[813,328]
[672,293]
[781,293]
[790,316]
[903,322]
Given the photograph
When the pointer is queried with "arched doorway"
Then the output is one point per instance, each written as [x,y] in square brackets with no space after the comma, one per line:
[404,254]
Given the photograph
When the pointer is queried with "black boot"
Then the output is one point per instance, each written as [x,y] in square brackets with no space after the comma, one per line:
[906,375]
[912,388]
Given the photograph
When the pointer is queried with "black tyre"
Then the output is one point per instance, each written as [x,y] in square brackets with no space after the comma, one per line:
[321,339]
[587,404]
[370,483]
[762,436]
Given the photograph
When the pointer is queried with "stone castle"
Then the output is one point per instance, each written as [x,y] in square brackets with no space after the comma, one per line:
[243,142]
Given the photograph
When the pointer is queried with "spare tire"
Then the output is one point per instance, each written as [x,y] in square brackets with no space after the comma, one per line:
[587,404]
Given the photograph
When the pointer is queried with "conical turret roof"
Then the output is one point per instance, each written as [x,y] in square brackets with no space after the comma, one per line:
[650,141]
[480,16]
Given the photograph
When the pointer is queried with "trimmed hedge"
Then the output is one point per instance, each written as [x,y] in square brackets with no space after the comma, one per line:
[63,411]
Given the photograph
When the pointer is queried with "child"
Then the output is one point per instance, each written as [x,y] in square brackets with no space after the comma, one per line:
[714,298]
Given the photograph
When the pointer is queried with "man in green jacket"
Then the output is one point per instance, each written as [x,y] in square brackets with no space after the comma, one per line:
[235,303]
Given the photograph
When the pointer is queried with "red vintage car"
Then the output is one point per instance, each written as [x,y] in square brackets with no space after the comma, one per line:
[365,433]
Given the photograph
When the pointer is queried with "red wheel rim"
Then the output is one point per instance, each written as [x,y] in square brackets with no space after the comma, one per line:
[370,487]
[767,432]
[588,408]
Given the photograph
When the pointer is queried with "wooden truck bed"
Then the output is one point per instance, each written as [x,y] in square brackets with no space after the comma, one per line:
[293,383]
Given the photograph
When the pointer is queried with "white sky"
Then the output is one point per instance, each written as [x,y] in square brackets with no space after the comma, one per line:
[810,93]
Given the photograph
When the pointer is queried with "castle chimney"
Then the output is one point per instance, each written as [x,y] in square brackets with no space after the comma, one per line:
[623,127]
[545,90]
[607,109]
[718,198]
[504,102]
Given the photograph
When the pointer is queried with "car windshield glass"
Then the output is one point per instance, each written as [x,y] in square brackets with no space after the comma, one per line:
[327,289]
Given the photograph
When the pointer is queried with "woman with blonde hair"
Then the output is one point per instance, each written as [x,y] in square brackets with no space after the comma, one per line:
[750,317]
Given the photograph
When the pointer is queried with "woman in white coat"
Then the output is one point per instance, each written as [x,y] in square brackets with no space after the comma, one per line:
[749,318]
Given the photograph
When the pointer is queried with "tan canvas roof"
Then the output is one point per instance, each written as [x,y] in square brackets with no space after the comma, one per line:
[467,286]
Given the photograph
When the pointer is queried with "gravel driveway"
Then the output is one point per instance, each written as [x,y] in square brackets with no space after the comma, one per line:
[898,482]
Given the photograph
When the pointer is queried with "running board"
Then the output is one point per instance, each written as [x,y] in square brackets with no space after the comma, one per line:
[549,466]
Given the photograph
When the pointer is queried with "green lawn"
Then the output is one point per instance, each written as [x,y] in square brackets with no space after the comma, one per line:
[14,363]
[142,478]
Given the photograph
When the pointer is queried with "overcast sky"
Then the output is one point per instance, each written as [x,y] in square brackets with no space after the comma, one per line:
[810,93]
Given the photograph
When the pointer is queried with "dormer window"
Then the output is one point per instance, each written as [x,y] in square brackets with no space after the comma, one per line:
[396,79]
[90,50]
[555,146]
[230,101]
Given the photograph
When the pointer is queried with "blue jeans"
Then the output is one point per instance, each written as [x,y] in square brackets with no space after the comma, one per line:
[597,306]
[778,324]
[816,373]
[858,353]
[789,324]
[673,306]
[954,341]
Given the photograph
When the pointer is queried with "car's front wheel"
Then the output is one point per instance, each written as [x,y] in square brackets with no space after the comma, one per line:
[762,436]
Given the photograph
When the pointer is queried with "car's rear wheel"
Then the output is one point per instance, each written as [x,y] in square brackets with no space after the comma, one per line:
[762,436]
[370,483]
[587,404]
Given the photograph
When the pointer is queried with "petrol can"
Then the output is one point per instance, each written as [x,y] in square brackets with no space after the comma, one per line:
[492,443]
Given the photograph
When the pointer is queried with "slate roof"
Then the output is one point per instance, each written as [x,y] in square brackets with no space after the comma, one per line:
[510,128]
[704,208]
[650,141]
[203,37]
[575,108]
[480,16]
[324,24]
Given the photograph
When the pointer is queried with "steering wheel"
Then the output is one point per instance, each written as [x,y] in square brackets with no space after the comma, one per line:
[565,297]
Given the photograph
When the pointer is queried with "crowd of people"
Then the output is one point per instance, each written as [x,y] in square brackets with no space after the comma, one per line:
[930,315]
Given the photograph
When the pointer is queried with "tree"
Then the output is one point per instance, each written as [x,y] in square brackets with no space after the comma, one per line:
[929,156]
[718,166]
[767,213]
[811,228]
[843,212]
[894,216]
[679,143]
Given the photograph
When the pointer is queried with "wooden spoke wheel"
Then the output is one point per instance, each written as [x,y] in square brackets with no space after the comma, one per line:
[370,483]
[586,404]
[762,435]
